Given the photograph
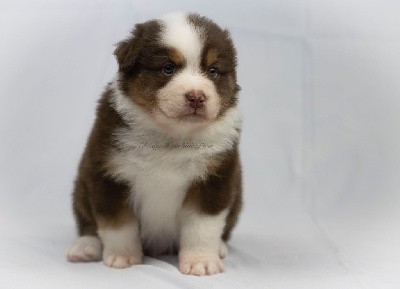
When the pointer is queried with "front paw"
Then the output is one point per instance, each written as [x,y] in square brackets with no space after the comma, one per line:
[120,261]
[200,265]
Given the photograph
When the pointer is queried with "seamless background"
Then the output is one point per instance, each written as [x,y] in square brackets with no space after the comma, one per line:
[320,145]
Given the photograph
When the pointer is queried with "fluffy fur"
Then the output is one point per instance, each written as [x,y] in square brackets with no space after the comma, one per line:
[161,170]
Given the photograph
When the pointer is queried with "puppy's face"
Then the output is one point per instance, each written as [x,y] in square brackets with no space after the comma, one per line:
[180,69]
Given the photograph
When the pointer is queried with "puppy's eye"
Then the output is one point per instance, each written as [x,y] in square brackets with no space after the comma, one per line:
[213,72]
[169,69]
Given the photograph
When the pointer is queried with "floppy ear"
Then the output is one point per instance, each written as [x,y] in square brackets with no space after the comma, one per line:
[128,50]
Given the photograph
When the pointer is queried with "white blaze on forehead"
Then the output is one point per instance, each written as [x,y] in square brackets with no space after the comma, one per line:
[182,35]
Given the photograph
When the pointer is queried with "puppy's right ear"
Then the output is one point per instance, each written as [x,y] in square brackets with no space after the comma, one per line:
[128,50]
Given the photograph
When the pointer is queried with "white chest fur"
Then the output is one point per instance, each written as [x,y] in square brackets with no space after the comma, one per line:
[159,178]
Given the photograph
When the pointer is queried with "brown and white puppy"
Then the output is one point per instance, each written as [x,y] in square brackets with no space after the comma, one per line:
[161,170]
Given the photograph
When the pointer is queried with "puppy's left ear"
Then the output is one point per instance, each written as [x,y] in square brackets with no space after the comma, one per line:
[128,50]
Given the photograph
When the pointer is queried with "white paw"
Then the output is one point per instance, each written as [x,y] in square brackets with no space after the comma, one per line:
[120,261]
[200,265]
[223,250]
[85,249]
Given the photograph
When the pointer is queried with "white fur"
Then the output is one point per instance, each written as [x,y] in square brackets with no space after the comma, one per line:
[85,249]
[200,243]
[157,197]
[160,166]
[172,100]
[221,134]
[180,34]
[223,250]
[122,246]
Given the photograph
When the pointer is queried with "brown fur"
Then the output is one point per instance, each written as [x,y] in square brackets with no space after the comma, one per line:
[176,57]
[211,57]
[141,58]
[99,200]
[220,190]
[219,45]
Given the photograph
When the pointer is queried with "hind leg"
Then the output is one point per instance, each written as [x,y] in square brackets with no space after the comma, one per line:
[87,247]
[107,225]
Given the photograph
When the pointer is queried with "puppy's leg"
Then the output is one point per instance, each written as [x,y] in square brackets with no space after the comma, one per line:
[209,213]
[223,250]
[200,243]
[118,227]
[87,247]
[122,245]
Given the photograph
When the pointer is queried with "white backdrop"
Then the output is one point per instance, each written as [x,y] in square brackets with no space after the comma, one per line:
[320,145]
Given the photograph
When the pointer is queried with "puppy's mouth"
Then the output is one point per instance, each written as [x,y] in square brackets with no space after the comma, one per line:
[194,116]
[190,116]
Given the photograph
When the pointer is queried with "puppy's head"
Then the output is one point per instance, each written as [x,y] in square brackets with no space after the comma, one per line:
[181,69]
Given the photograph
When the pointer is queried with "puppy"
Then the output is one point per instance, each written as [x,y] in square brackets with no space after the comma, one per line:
[161,171]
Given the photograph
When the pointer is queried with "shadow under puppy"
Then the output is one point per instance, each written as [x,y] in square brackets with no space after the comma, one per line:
[161,171]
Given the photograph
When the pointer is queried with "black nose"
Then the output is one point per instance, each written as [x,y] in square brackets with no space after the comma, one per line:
[196,98]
